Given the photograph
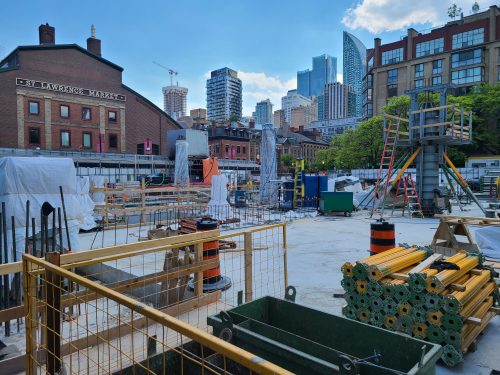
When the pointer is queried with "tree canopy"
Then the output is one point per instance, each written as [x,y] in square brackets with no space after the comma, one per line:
[362,147]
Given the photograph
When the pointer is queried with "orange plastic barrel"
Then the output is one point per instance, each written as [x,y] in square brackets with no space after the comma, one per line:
[382,237]
[210,168]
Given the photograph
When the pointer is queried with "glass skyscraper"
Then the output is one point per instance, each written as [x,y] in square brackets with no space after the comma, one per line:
[354,58]
[311,82]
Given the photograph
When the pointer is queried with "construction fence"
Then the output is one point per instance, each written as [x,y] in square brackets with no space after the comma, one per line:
[143,307]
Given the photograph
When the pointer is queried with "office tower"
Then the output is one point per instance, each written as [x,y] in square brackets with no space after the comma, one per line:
[339,101]
[264,112]
[354,57]
[224,92]
[292,100]
[312,82]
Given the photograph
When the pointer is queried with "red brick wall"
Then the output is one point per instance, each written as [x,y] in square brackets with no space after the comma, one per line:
[72,67]
[222,143]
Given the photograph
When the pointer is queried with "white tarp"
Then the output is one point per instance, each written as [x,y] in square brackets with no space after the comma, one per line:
[488,240]
[86,203]
[218,207]
[37,179]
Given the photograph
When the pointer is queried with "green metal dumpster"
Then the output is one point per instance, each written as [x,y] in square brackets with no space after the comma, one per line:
[308,341]
[336,201]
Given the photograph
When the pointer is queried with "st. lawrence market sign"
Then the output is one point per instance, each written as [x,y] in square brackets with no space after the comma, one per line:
[69,89]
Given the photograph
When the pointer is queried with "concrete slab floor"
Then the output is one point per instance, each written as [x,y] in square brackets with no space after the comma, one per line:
[317,248]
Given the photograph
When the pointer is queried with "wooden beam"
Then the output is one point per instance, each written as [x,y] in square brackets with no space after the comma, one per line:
[122,286]
[426,263]
[128,327]
[399,276]
[473,321]
[153,245]
[396,117]
[458,287]
[432,109]
[447,123]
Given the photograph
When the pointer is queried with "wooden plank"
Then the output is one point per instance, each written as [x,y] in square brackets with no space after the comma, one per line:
[153,245]
[83,296]
[426,263]
[457,287]
[248,267]
[126,328]
[473,321]
[198,277]
[433,109]
[396,117]
[399,276]
[431,125]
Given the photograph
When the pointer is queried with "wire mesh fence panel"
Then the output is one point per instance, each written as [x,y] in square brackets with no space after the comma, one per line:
[145,310]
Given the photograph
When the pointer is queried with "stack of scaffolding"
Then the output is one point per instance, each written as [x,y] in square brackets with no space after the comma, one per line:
[446,302]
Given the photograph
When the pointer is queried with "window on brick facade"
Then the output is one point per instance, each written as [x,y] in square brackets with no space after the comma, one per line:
[34,108]
[156,149]
[437,80]
[238,149]
[244,150]
[437,66]
[419,70]
[87,140]
[419,83]
[65,138]
[113,141]
[112,116]
[468,38]
[86,113]
[64,111]
[227,149]
[34,136]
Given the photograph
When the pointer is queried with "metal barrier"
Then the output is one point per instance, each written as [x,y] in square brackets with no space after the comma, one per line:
[135,308]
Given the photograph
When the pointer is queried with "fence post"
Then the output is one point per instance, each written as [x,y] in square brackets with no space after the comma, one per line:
[53,327]
[248,266]
[285,261]
[198,277]
[30,311]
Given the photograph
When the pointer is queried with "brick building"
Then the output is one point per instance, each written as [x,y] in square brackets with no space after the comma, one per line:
[65,97]
[229,142]
[465,52]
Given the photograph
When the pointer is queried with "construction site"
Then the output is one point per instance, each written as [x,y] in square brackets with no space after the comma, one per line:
[203,268]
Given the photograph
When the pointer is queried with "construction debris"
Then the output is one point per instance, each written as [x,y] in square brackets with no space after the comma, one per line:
[409,289]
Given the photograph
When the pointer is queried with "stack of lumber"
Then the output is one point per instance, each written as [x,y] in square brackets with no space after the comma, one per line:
[411,290]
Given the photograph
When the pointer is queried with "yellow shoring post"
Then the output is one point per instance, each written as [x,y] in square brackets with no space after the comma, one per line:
[457,173]
[405,166]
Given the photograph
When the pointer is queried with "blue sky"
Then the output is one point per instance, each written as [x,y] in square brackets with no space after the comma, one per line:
[266,41]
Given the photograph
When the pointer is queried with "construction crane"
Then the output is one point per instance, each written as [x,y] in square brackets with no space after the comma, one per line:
[171,72]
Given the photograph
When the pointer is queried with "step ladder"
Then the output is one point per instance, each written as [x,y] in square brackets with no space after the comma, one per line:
[386,161]
[298,183]
[411,201]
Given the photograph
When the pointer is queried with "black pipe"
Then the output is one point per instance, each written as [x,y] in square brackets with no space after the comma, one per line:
[65,217]
[27,227]
[42,237]
[59,219]
[33,237]
[53,231]
[17,279]
[6,257]
[1,262]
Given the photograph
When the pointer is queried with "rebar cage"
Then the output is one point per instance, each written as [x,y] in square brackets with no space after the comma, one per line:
[144,309]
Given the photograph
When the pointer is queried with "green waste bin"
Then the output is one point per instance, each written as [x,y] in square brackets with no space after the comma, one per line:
[336,201]
[308,341]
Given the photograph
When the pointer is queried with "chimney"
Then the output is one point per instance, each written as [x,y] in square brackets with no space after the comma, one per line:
[46,34]
[376,53]
[301,128]
[251,124]
[93,44]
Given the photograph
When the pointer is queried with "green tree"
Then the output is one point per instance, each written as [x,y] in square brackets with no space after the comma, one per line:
[398,106]
[454,11]
[233,118]
[286,161]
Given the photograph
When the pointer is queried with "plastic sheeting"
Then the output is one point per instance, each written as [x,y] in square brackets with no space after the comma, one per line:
[488,240]
[268,169]
[218,207]
[181,171]
[86,203]
[38,179]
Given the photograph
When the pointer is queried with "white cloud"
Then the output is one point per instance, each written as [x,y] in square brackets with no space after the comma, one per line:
[389,15]
[258,86]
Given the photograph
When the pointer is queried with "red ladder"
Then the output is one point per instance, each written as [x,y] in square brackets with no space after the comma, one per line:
[412,201]
[387,160]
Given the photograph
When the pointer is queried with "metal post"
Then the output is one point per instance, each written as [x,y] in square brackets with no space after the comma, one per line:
[285,261]
[53,327]
[6,258]
[248,266]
